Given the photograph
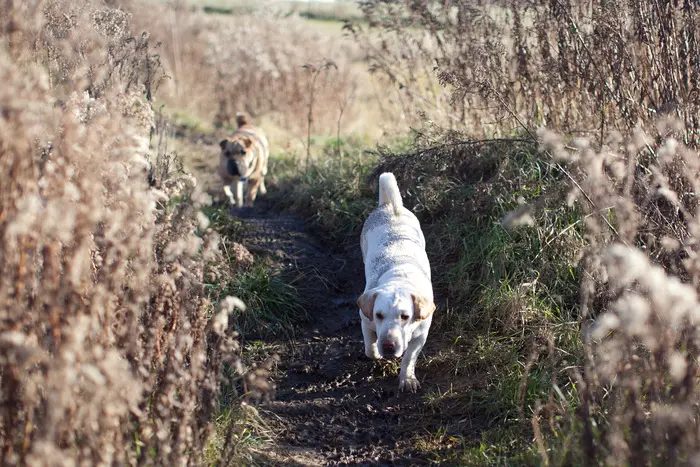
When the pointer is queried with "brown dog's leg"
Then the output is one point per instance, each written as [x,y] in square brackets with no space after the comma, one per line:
[253,186]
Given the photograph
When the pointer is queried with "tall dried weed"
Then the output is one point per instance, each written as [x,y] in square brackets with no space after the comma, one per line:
[636,391]
[581,67]
[112,352]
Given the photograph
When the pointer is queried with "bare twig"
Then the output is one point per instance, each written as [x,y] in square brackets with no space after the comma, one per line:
[313,71]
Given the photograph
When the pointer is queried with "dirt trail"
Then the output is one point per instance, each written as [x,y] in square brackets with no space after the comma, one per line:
[333,405]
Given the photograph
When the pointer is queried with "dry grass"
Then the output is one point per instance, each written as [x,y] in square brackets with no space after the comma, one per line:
[636,388]
[220,65]
[260,62]
[579,67]
[112,349]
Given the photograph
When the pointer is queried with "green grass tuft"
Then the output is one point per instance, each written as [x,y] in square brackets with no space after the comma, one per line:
[229,227]
[335,199]
[273,305]
[250,434]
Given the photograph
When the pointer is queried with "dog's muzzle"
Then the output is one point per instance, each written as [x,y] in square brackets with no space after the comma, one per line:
[235,167]
[390,349]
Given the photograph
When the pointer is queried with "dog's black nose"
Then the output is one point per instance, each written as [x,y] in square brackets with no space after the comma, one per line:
[388,347]
[232,168]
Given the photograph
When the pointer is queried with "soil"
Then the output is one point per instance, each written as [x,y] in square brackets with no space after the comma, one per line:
[333,405]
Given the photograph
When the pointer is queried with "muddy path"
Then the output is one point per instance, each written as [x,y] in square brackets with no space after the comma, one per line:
[333,406]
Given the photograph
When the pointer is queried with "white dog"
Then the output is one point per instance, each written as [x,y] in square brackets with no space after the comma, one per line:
[397,306]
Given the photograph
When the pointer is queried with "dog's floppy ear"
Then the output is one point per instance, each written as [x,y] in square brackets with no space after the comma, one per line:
[366,303]
[223,144]
[247,142]
[422,307]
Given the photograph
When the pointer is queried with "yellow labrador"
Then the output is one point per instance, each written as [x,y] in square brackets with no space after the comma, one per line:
[396,308]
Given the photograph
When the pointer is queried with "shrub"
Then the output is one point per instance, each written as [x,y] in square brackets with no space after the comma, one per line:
[112,352]
[635,390]
[576,67]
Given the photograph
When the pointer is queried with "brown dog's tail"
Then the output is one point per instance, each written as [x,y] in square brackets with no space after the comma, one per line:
[241,119]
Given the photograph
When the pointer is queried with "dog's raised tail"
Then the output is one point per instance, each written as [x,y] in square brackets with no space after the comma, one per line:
[389,192]
[241,119]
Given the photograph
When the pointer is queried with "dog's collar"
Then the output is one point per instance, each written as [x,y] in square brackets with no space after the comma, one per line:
[243,179]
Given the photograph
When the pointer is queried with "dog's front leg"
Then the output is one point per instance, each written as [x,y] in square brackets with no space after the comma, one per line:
[239,193]
[407,376]
[253,186]
[370,337]
[229,194]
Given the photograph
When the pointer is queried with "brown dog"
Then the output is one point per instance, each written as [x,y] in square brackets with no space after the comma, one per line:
[243,159]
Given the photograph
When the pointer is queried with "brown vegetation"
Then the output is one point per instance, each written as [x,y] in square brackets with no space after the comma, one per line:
[574,66]
[221,65]
[112,350]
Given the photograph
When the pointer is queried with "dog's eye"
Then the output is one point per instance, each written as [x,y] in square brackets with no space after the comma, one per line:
[405,317]
[380,315]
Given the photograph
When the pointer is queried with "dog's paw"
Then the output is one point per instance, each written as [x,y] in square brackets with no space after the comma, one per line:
[371,349]
[409,384]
